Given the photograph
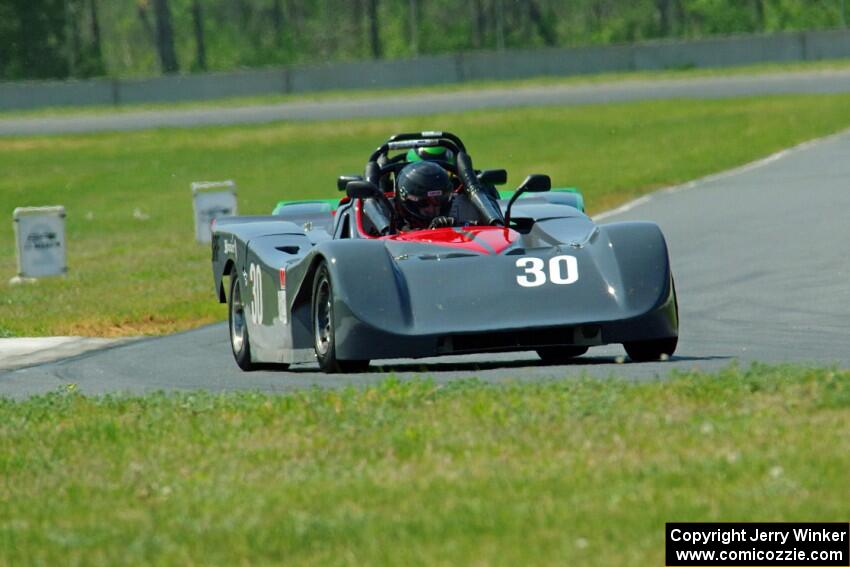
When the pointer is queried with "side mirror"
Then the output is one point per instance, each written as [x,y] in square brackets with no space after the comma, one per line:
[359,189]
[534,183]
[493,176]
[343,180]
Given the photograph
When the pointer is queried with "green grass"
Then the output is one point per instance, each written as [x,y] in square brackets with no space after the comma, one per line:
[759,69]
[130,276]
[569,472]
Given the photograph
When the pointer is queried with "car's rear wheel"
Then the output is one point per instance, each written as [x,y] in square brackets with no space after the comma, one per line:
[560,353]
[240,342]
[647,351]
[324,327]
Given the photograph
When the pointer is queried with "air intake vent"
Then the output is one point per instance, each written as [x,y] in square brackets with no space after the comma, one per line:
[514,340]
[288,249]
[448,256]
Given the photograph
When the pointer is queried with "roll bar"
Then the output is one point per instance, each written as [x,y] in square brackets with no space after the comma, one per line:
[427,139]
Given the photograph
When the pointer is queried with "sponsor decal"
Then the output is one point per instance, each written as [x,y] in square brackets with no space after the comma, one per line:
[283,312]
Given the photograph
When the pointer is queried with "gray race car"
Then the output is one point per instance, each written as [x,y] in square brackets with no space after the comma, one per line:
[338,283]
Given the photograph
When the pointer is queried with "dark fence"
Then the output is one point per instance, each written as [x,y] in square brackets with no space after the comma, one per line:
[429,70]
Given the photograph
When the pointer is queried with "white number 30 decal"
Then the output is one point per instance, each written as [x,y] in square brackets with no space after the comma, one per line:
[255,276]
[563,270]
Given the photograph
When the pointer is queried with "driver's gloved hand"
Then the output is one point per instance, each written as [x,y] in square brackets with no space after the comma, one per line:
[442,222]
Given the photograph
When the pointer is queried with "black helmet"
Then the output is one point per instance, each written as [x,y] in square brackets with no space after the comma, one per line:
[423,190]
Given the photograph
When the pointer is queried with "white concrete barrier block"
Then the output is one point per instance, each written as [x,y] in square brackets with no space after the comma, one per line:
[40,241]
[212,200]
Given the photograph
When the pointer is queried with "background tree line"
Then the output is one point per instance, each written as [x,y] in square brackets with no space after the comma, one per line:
[85,38]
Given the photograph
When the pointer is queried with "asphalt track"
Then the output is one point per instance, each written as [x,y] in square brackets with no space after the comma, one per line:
[761,256]
[834,81]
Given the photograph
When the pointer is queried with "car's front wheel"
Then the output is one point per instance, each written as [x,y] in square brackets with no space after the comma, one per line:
[240,342]
[648,351]
[324,327]
[560,353]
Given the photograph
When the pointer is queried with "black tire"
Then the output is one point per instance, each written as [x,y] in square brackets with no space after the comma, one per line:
[648,351]
[560,353]
[324,329]
[238,326]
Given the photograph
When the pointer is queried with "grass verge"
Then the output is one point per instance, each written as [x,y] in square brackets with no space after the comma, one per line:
[580,472]
[230,102]
[134,267]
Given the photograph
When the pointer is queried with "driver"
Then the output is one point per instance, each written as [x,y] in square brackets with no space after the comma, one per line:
[424,194]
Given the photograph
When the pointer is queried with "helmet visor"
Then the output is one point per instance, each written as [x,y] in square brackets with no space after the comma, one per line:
[427,207]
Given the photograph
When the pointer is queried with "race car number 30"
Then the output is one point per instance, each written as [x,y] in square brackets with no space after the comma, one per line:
[255,276]
[563,270]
